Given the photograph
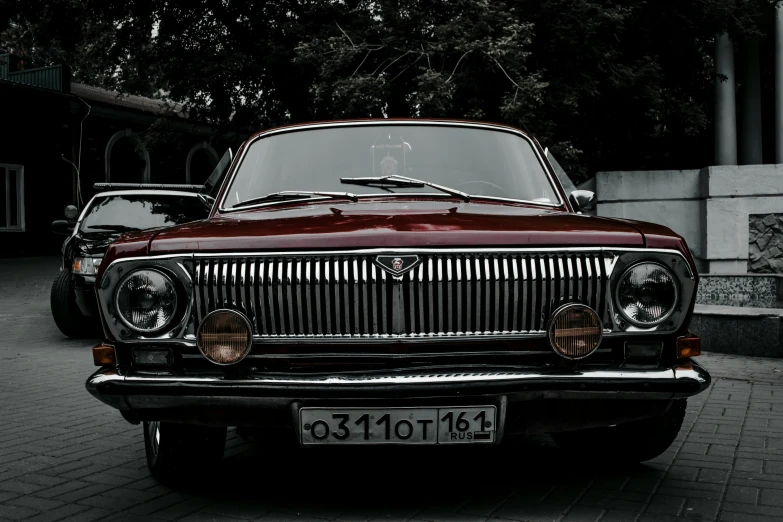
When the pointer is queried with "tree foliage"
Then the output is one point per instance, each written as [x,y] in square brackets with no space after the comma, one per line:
[605,84]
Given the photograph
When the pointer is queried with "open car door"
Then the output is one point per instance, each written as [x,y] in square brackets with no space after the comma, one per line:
[568,185]
[209,191]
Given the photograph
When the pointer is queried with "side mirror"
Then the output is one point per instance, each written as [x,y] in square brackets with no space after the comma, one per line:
[207,201]
[62,226]
[71,212]
[582,200]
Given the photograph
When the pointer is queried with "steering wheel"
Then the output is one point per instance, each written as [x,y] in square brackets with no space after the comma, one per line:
[479,182]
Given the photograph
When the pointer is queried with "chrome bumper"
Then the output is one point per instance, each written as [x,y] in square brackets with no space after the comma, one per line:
[262,390]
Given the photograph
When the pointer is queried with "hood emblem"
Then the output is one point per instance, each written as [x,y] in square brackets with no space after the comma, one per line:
[397,265]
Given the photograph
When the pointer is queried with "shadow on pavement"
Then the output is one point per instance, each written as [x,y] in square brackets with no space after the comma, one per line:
[476,479]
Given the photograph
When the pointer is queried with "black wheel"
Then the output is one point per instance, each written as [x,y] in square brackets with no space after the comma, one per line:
[67,316]
[180,451]
[631,442]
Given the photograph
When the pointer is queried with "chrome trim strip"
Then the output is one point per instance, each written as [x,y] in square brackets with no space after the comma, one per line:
[433,376]
[402,250]
[392,356]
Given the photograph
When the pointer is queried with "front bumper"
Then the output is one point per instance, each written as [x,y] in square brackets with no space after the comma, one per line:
[84,291]
[143,393]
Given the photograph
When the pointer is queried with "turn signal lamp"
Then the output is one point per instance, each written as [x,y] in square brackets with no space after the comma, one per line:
[688,346]
[225,337]
[103,355]
[575,331]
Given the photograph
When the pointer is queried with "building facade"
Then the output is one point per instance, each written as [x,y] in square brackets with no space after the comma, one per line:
[59,137]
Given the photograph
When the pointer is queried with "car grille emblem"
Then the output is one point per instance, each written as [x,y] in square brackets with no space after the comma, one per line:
[397,265]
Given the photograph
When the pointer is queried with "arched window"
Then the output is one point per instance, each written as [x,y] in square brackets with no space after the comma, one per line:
[202,158]
[127,159]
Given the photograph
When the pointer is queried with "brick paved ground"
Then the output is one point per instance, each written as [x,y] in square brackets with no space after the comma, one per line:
[65,456]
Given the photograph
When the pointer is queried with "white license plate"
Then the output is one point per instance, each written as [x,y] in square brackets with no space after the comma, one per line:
[398,425]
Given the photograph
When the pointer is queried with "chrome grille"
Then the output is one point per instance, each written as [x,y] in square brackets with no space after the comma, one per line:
[345,295]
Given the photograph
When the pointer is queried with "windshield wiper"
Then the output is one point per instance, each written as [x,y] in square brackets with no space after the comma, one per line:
[403,181]
[295,194]
[113,228]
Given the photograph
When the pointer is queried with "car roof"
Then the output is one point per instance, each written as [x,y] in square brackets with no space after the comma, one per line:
[389,121]
[151,192]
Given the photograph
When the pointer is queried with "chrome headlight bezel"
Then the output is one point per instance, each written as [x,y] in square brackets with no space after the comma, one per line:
[626,274]
[682,274]
[177,303]
[177,269]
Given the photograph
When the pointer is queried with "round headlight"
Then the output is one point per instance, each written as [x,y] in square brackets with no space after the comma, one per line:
[225,337]
[575,331]
[146,300]
[647,294]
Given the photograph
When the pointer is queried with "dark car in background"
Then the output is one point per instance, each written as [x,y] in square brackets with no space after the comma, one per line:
[107,216]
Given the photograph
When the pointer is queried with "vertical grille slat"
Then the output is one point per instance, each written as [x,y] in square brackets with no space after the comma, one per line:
[469,324]
[269,289]
[420,292]
[444,295]
[459,327]
[373,298]
[514,323]
[199,291]
[328,299]
[317,293]
[448,309]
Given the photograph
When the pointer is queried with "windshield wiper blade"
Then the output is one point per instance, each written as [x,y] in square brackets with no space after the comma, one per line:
[295,194]
[113,228]
[382,181]
[404,181]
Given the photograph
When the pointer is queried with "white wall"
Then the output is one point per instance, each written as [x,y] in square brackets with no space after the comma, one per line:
[708,207]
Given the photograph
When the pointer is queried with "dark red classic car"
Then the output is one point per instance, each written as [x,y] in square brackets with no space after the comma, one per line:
[398,282]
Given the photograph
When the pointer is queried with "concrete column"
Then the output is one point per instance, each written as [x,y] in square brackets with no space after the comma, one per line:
[725,105]
[750,114]
[779,85]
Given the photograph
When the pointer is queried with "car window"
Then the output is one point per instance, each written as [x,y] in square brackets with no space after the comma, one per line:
[564,179]
[139,212]
[481,162]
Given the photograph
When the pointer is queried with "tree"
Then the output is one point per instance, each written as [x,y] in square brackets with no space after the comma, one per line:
[605,84]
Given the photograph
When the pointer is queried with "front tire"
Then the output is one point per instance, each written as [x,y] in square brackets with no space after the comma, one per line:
[67,316]
[631,442]
[175,451]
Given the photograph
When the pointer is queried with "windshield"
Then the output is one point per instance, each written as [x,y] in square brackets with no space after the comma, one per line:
[123,213]
[480,162]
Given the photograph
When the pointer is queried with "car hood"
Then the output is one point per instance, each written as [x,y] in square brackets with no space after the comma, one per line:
[95,245]
[392,224]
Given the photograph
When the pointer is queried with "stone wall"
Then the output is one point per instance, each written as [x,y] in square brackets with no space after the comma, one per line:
[746,290]
[765,246]
[710,208]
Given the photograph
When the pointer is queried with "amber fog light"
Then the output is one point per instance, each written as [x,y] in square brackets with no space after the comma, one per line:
[225,337]
[575,331]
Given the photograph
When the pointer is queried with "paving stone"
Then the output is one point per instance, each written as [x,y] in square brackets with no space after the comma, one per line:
[713,476]
[666,504]
[37,503]
[11,512]
[742,494]
[701,508]
[68,510]
[771,497]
